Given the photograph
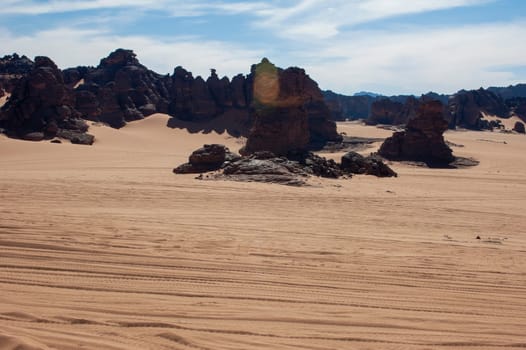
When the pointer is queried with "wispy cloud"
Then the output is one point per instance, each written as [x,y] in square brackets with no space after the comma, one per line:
[444,60]
[327,37]
[321,19]
[178,8]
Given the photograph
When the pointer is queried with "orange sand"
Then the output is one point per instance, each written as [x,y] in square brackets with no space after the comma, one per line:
[102,247]
[3,99]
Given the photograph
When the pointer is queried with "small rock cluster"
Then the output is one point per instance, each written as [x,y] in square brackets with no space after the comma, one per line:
[265,166]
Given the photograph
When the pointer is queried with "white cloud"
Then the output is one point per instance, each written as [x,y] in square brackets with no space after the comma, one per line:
[73,47]
[177,8]
[326,41]
[322,19]
[444,60]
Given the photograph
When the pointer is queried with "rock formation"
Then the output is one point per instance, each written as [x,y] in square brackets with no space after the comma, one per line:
[467,108]
[120,89]
[41,106]
[355,163]
[385,111]
[422,139]
[12,69]
[348,107]
[207,158]
[519,127]
[517,106]
[265,166]
[288,111]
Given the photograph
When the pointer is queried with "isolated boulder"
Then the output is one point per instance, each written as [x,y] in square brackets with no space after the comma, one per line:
[355,163]
[205,159]
[422,139]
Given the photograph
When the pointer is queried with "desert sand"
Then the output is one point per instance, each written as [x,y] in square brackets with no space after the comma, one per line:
[4,99]
[102,247]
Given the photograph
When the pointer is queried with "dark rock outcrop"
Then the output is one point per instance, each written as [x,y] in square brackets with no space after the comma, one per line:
[12,69]
[348,107]
[289,112]
[355,163]
[467,108]
[422,139]
[119,90]
[208,158]
[264,166]
[385,111]
[42,106]
[519,127]
[517,106]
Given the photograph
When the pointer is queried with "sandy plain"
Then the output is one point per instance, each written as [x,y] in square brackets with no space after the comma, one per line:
[102,247]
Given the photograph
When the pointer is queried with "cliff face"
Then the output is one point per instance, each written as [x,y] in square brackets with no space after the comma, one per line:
[42,106]
[288,111]
[12,69]
[466,108]
[120,89]
[422,139]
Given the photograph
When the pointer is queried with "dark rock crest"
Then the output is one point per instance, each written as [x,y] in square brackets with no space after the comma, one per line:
[422,139]
[42,106]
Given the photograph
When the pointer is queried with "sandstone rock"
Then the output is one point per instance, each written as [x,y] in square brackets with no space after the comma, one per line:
[391,112]
[315,165]
[278,130]
[191,99]
[281,103]
[422,139]
[348,107]
[41,104]
[519,127]
[384,111]
[205,159]
[12,69]
[34,136]
[517,106]
[467,108]
[119,90]
[75,137]
[239,91]
[355,163]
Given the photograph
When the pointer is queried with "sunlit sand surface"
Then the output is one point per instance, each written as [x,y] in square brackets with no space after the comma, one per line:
[103,247]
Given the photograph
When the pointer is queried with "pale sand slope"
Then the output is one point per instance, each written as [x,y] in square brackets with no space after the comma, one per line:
[4,99]
[103,247]
[508,123]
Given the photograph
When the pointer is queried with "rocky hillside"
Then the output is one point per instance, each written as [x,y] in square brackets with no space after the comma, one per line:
[120,89]
[465,108]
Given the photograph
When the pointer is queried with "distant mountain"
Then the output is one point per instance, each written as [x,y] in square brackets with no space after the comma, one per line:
[511,91]
[464,108]
[367,93]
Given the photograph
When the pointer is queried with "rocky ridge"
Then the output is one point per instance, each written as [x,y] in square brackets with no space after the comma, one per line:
[42,106]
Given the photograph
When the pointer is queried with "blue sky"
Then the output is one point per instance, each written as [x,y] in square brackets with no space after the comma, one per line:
[386,46]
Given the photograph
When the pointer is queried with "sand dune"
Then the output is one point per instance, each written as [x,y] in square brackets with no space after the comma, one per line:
[4,99]
[102,247]
[508,123]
